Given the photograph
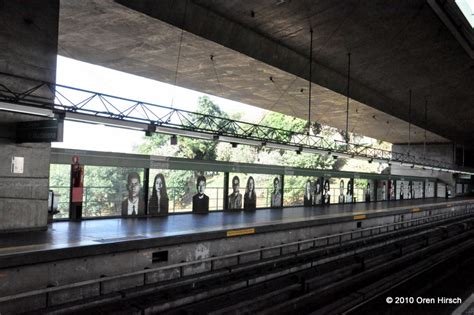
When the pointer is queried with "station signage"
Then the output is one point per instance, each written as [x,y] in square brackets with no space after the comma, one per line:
[50,130]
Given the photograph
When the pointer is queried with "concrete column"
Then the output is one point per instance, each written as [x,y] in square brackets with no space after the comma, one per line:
[29,41]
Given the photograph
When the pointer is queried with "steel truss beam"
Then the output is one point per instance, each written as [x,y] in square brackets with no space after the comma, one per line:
[78,104]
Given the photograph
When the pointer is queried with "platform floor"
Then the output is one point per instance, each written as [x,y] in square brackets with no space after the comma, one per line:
[65,234]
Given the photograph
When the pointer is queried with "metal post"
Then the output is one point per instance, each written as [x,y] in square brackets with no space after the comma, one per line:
[426,125]
[409,122]
[282,188]
[146,185]
[348,95]
[310,77]
[226,190]
[174,201]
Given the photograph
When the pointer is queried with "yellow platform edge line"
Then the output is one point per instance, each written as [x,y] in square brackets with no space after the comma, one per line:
[360,217]
[240,232]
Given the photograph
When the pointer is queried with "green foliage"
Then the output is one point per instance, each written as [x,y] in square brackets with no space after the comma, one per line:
[59,182]
[203,149]
[285,122]
[197,149]
[152,143]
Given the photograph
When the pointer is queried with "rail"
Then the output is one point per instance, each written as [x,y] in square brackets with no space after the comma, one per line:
[339,237]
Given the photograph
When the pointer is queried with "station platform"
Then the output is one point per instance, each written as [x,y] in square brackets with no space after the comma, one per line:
[67,239]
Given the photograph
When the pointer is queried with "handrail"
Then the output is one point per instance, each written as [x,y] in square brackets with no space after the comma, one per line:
[460,213]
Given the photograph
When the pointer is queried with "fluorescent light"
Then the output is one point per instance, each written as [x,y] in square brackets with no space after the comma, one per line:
[26,109]
[344,155]
[106,121]
[185,133]
[281,146]
[316,151]
[240,141]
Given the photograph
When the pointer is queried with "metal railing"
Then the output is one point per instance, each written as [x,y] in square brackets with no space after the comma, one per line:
[112,207]
[339,238]
[78,104]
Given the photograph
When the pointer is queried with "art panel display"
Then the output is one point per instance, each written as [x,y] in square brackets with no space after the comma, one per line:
[250,196]
[369,191]
[442,190]
[417,187]
[252,191]
[200,199]
[308,194]
[402,190]
[345,190]
[159,200]
[76,192]
[276,196]
[350,191]
[326,192]
[342,196]
[318,191]
[134,204]
[382,190]
[429,189]
[235,198]
[391,189]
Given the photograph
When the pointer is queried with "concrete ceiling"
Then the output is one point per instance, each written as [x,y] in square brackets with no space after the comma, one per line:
[395,47]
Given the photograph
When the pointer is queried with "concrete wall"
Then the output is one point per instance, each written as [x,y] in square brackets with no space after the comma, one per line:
[29,41]
[42,275]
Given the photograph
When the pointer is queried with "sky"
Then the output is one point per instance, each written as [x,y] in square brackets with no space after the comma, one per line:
[467,8]
[95,78]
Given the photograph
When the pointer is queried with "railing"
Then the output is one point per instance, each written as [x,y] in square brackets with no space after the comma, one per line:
[338,238]
[216,195]
[77,104]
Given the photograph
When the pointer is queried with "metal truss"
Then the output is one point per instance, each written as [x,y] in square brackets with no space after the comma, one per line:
[77,104]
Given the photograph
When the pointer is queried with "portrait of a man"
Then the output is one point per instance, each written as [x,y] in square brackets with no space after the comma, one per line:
[341,191]
[368,192]
[200,200]
[384,190]
[308,194]
[317,196]
[276,193]
[391,189]
[235,198]
[326,193]
[410,190]
[133,204]
[402,191]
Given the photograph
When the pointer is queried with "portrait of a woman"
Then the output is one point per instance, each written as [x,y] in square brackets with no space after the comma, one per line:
[159,196]
[250,198]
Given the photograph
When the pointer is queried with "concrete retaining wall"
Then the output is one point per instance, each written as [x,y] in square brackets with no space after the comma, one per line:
[21,279]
